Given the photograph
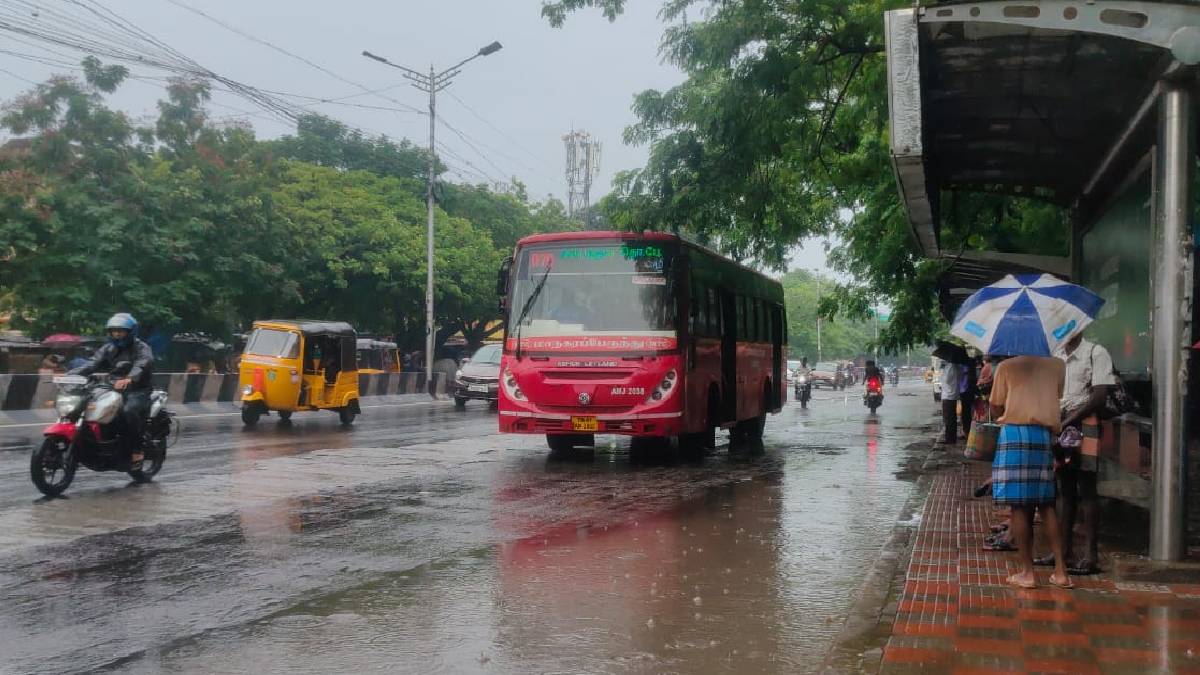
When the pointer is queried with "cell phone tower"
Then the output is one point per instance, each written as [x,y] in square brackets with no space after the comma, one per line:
[583,164]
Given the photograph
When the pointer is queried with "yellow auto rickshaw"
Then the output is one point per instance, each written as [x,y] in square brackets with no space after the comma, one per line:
[299,365]
[377,356]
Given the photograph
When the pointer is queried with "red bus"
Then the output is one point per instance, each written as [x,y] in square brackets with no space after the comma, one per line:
[640,334]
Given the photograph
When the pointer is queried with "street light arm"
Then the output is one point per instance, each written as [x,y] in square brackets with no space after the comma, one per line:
[484,51]
[384,61]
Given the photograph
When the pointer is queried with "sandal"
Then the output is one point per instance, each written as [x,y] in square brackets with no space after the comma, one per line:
[982,490]
[998,545]
[1083,568]
[1012,581]
[1068,584]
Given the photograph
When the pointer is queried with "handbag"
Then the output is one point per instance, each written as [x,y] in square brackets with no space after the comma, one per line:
[1118,401]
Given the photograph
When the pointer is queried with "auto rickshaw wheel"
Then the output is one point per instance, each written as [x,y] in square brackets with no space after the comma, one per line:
[460,403]
[250,415]
[346,415]
[285,415]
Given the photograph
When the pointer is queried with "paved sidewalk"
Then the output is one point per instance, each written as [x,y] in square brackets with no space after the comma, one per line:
[956,614]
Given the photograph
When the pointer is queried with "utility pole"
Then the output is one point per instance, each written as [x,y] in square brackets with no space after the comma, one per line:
[817,274]
[432,84]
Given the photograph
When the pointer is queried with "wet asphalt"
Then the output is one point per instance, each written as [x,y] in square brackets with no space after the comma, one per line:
[421,540]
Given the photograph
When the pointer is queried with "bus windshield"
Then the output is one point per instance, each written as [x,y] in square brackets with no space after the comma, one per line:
[595,288]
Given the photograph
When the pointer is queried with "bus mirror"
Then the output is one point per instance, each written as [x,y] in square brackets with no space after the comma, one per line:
[502,279]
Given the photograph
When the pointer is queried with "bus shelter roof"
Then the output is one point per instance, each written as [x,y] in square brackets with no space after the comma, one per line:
[1051,100]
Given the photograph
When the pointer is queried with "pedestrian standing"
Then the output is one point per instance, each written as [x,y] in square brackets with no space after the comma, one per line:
[951,374]
[1089,374]
[1025,398]
[968,388]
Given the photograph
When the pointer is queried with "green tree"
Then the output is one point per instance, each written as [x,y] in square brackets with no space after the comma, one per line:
[779,132]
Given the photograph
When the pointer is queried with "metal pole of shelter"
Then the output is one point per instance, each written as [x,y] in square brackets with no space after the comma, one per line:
[1173,176]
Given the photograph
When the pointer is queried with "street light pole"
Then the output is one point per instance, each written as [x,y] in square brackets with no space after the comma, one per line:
[819,355]
[432,84]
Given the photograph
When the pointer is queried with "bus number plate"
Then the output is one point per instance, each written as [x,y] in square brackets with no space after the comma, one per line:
[584,424]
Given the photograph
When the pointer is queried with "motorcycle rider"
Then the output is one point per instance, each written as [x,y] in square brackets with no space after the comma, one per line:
[123,345]
[872,371]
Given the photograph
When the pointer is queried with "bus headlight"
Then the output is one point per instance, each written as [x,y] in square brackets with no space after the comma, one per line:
[510,386]
[664,388]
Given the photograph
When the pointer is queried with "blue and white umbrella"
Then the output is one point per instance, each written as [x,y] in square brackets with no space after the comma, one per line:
[1027,314]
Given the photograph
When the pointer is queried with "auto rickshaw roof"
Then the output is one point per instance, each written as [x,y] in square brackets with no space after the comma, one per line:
[312,327]
[369,343]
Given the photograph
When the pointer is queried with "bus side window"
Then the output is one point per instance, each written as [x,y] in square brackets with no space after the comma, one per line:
[740,308]
[700,302]
[714,313]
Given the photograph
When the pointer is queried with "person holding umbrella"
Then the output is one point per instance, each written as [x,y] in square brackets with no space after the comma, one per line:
[1029,318]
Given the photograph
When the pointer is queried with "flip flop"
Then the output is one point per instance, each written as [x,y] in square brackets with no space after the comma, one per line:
[1083,568]
[982,490]
[1012,581]
[1068,585]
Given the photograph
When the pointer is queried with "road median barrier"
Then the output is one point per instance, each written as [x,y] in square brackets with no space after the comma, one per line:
[36,392]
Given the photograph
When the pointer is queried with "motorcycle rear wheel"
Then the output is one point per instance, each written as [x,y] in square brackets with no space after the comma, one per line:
[152,463]
[51,467]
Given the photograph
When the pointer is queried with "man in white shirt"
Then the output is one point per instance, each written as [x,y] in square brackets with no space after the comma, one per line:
[1088,377]
[951,376]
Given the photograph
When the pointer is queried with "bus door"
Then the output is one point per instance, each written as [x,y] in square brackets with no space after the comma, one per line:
[729,338]
[778,379]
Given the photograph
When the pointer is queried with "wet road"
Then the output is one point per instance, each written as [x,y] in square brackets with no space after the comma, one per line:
[423,541]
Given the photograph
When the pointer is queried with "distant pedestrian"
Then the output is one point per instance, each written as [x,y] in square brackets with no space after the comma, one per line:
[968,392]
[951,375]
[1025,395]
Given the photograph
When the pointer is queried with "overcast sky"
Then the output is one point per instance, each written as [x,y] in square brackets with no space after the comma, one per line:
[511,108]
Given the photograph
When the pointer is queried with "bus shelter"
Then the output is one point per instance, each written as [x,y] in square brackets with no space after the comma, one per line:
[1089,105]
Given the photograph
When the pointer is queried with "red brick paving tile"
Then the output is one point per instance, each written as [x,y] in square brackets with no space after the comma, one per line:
[925,629]
[919,607]
[1116,630]
[940,587]
[975,670]
[916,655]
[1110,654]
[1056,639]
[988,646]
[1061,666]
[984,602]
[985,621]
[1085,607]
[1058,615]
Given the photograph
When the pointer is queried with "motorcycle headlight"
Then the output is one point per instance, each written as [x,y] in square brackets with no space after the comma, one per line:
[67,404]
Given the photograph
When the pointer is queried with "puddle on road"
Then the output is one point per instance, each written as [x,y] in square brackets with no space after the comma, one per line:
[727,564]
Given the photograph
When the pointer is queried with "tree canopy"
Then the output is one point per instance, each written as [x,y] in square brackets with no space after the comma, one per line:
[780,132]
[197,226]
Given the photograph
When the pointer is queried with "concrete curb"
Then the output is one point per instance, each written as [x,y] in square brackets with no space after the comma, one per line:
[36,392]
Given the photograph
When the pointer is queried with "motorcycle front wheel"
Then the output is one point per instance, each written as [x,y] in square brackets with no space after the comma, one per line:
[52,466]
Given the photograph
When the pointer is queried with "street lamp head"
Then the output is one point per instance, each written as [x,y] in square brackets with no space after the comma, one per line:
[491,49]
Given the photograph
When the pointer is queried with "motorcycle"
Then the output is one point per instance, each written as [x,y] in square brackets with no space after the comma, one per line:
[803,390]
[895,377]
[89,432]
[873,398]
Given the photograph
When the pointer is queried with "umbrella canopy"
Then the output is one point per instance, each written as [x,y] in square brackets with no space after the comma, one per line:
[62,339]
[1028,314]
[948,351]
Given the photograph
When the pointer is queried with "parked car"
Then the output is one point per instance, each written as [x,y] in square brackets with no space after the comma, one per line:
[479,377]
[828,374]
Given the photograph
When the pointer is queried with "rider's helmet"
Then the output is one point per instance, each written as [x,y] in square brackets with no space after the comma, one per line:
[122,321]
